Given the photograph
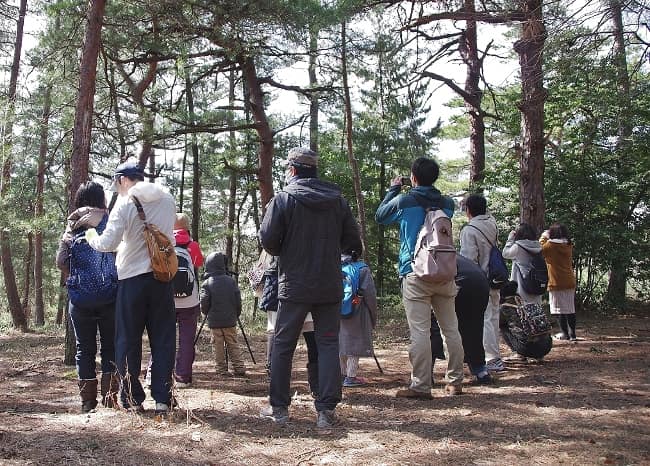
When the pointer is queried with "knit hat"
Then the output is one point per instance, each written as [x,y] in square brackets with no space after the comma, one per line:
[302,156]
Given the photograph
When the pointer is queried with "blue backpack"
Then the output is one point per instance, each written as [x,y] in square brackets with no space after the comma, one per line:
[93,275]
[497,269]
[351,272]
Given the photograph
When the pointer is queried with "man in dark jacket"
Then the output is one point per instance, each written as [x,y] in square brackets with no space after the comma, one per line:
[221,301]
[307,225]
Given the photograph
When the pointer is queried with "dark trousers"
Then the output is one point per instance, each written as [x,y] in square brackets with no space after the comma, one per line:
[186,318]
[470,326]
[288,326]
[312,359]
[144,302]
[86,322]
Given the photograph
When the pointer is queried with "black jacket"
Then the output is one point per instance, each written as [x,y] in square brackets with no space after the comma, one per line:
[220,295]
[307,225]
[269,299]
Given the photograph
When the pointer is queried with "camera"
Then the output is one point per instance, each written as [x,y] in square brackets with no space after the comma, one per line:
[406,181]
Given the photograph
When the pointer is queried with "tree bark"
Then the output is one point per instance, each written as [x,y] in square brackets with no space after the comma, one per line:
[361,212]
[196,174]
[474,95]
[28,271]
[232,179]
[83,120]
[264,132]
[313,82]
[616,287]
[39,304]
[11,101]
[531,178]
[13,298]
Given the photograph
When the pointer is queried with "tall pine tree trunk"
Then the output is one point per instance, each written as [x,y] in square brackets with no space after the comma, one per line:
[361,212]
[196,177]
[83,122]
[264,132]
[232,179]
[17,314]
[39,304]
[28,271]
[313,82]
[531,178]
[473,98]
[7,145]
[621,261]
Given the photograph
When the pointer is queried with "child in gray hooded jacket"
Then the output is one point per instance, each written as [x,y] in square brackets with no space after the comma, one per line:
[221,301]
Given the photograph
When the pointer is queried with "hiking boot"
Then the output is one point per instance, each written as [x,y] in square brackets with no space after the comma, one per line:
[453,390]
[354,381]
[409,393]
[325,419]
[88,394]
[560,336]
[277,414]
[178,384]
[161,408]
[495,365]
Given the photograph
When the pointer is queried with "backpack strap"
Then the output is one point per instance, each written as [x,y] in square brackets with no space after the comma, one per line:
[481,232]
[138,206]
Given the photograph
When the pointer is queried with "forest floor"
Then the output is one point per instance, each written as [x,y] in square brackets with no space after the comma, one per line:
[587,403]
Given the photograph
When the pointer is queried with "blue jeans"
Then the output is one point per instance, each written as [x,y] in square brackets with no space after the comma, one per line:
[288,327]
[144,302]
[86,322]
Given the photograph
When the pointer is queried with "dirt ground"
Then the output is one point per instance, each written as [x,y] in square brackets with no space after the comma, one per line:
[586,404]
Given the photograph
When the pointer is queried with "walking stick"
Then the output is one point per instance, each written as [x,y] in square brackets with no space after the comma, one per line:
[241,327]
[200,328]
[381,371]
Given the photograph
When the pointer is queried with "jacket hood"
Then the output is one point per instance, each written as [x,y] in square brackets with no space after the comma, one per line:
[147,192]
[85,217]
[215,264]
[314,193]
[427,195]
[530,245]
[182,237]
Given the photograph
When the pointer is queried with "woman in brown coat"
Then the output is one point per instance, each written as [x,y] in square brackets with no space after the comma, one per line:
[557,250]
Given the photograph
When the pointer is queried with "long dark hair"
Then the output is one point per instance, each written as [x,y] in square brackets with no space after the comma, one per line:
[90,194]
[559,231]
[525,231]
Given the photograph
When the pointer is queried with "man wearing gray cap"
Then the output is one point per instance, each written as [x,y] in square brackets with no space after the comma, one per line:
[142,301]
[306,225]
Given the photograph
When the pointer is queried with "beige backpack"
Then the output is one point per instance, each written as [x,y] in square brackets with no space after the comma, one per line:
[434,260]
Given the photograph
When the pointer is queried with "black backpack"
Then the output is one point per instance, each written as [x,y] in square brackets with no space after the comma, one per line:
[497,269]
[184,279]
[535,277]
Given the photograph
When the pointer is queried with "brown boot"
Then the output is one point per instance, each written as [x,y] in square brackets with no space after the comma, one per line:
[109,389]
[88,393]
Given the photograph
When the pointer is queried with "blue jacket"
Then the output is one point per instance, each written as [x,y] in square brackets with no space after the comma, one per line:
[405,209]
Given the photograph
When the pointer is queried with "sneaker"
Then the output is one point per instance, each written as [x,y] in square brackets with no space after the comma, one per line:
[495,365]
[325,419]
[409,393]
[453,390]
[183,384]
[354,381]
[277,414]
[515,357]
[560,336]
[484,378]
[161,408]
[574,339]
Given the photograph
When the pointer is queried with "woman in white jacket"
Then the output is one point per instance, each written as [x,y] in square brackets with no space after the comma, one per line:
[520,247]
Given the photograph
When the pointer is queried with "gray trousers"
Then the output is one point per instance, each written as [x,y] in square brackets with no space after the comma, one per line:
[291,316]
